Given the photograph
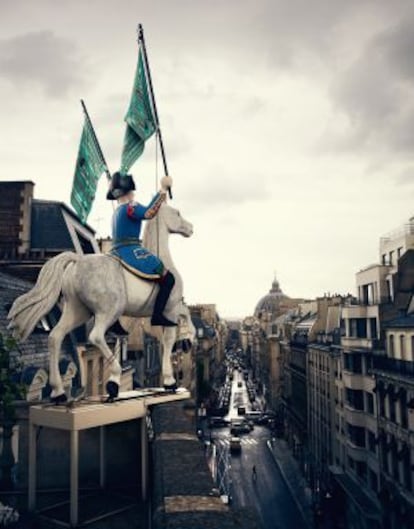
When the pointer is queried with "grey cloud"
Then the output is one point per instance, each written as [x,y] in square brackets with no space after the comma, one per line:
[229,191]
[42,59]
[397,45]
[375,92]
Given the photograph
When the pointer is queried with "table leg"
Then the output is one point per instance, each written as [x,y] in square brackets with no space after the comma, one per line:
[102,469]
[74,477]
[32,466]
[144,459]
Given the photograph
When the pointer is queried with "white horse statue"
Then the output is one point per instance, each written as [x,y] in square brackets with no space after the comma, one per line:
[99,286]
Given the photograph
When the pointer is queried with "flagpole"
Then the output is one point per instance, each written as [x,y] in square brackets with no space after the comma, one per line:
[95,139]
[141,41]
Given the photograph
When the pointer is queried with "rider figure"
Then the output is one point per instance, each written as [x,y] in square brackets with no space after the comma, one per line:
[126,245]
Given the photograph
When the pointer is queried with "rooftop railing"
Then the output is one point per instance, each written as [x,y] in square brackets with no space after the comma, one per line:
[405,229]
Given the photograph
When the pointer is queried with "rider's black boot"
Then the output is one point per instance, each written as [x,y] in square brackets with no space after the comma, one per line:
[166,285]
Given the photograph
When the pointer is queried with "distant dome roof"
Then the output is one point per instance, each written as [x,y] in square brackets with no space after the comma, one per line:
[271,302]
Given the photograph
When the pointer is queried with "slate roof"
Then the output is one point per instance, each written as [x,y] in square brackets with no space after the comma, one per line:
[33,352]
[48,226]
[401,323]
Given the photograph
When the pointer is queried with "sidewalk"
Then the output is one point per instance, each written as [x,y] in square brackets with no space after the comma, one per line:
[296,483]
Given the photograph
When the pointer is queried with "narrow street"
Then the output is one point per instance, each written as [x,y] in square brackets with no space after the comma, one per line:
[268,493]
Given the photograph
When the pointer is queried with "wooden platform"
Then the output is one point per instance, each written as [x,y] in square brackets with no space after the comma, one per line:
[92,413]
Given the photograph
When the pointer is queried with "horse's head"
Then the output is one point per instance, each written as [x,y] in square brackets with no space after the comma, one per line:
[175,222]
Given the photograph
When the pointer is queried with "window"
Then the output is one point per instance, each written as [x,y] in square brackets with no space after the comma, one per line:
[358,327]
[389,291]
[394,460]
[353,363]
[364,293]
[371,442]
[399,252]
[356,435]
[391,258]
[370,403]
[391,345]
[407,470]
[373,481]
[361,470]
[381,404]
[385,459]
[403,408]
[355,398]
[373,327]
[402,346]
[391,401]
[384,258]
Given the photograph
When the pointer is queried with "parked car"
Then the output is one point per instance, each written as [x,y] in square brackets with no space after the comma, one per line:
[217,422]
[254,416]
[262,420]
[240,427]
[235,445]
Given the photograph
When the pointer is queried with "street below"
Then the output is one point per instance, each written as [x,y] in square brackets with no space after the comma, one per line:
[265,490]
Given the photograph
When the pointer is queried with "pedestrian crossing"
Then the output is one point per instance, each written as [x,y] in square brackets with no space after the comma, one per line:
[244,441]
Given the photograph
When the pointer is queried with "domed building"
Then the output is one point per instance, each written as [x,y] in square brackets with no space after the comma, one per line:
[273,303]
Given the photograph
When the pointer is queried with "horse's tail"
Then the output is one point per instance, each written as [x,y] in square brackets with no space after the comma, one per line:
[29,308]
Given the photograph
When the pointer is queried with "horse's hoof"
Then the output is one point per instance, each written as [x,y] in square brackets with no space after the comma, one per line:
[112,389]
[60,399]
[171,388]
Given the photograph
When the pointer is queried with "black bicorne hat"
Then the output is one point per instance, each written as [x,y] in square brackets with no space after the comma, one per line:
[121,184]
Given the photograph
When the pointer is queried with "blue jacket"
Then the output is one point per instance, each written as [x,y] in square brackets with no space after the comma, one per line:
[126,231]
[127,219]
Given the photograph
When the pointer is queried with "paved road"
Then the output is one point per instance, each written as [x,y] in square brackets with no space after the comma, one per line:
[269,493]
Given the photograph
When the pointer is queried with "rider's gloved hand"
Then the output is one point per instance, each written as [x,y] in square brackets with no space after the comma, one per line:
[166,182]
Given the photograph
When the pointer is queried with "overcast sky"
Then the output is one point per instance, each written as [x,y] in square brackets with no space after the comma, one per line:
[288,126]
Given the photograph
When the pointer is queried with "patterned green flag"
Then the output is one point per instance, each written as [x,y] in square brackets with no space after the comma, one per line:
[89,168]
[139,119]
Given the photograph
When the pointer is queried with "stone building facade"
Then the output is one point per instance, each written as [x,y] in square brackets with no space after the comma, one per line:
[371,409]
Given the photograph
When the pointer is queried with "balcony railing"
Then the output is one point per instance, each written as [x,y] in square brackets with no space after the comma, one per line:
[299,341]
[357,342]
[393,365]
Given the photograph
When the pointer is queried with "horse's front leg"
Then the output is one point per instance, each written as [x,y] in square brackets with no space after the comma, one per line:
[168,340]
[97,337]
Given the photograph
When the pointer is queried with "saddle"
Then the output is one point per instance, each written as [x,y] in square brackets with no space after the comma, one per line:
[133,270]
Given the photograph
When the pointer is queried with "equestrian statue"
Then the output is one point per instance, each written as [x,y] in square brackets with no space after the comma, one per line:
[134,279]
